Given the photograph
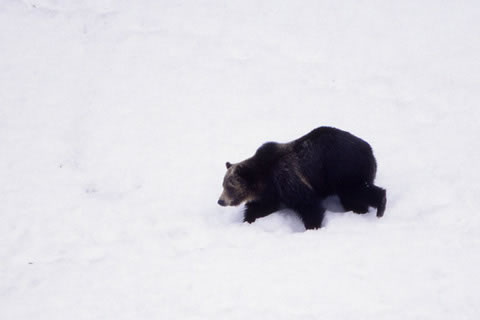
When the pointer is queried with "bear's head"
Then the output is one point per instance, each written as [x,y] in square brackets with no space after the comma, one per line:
[237,186]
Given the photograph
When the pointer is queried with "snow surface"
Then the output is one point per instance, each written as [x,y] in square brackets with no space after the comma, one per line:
[116,119]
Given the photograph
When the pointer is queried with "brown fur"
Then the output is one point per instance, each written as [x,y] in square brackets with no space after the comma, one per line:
[300,174]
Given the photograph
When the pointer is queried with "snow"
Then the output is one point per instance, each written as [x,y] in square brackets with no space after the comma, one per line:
[116,119]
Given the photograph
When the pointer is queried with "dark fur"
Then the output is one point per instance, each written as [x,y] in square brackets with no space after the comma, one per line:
[299,174]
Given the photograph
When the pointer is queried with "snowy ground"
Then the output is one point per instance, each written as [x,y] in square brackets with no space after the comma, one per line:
[116,119]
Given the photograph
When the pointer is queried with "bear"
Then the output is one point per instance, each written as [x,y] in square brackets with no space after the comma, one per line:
[301,174]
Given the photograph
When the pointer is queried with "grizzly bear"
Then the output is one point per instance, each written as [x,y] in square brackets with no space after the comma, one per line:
[299,175]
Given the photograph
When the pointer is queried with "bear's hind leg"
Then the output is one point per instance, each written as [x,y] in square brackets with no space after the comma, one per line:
[359,199]
[353,199]
[378,199]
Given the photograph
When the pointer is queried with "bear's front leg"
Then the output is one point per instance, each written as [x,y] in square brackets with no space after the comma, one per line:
[312,215]
[258,209]
[302,199]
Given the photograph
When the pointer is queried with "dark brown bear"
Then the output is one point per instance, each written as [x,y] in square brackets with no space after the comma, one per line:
[300,174]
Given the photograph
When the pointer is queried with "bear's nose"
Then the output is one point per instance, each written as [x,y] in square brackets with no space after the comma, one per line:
[222,203]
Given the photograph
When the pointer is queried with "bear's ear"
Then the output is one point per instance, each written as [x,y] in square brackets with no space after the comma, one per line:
[228,165]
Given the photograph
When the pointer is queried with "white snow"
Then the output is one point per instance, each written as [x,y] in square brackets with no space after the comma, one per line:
[116,119]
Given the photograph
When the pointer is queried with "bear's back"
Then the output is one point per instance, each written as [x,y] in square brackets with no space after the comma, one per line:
[330,157]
